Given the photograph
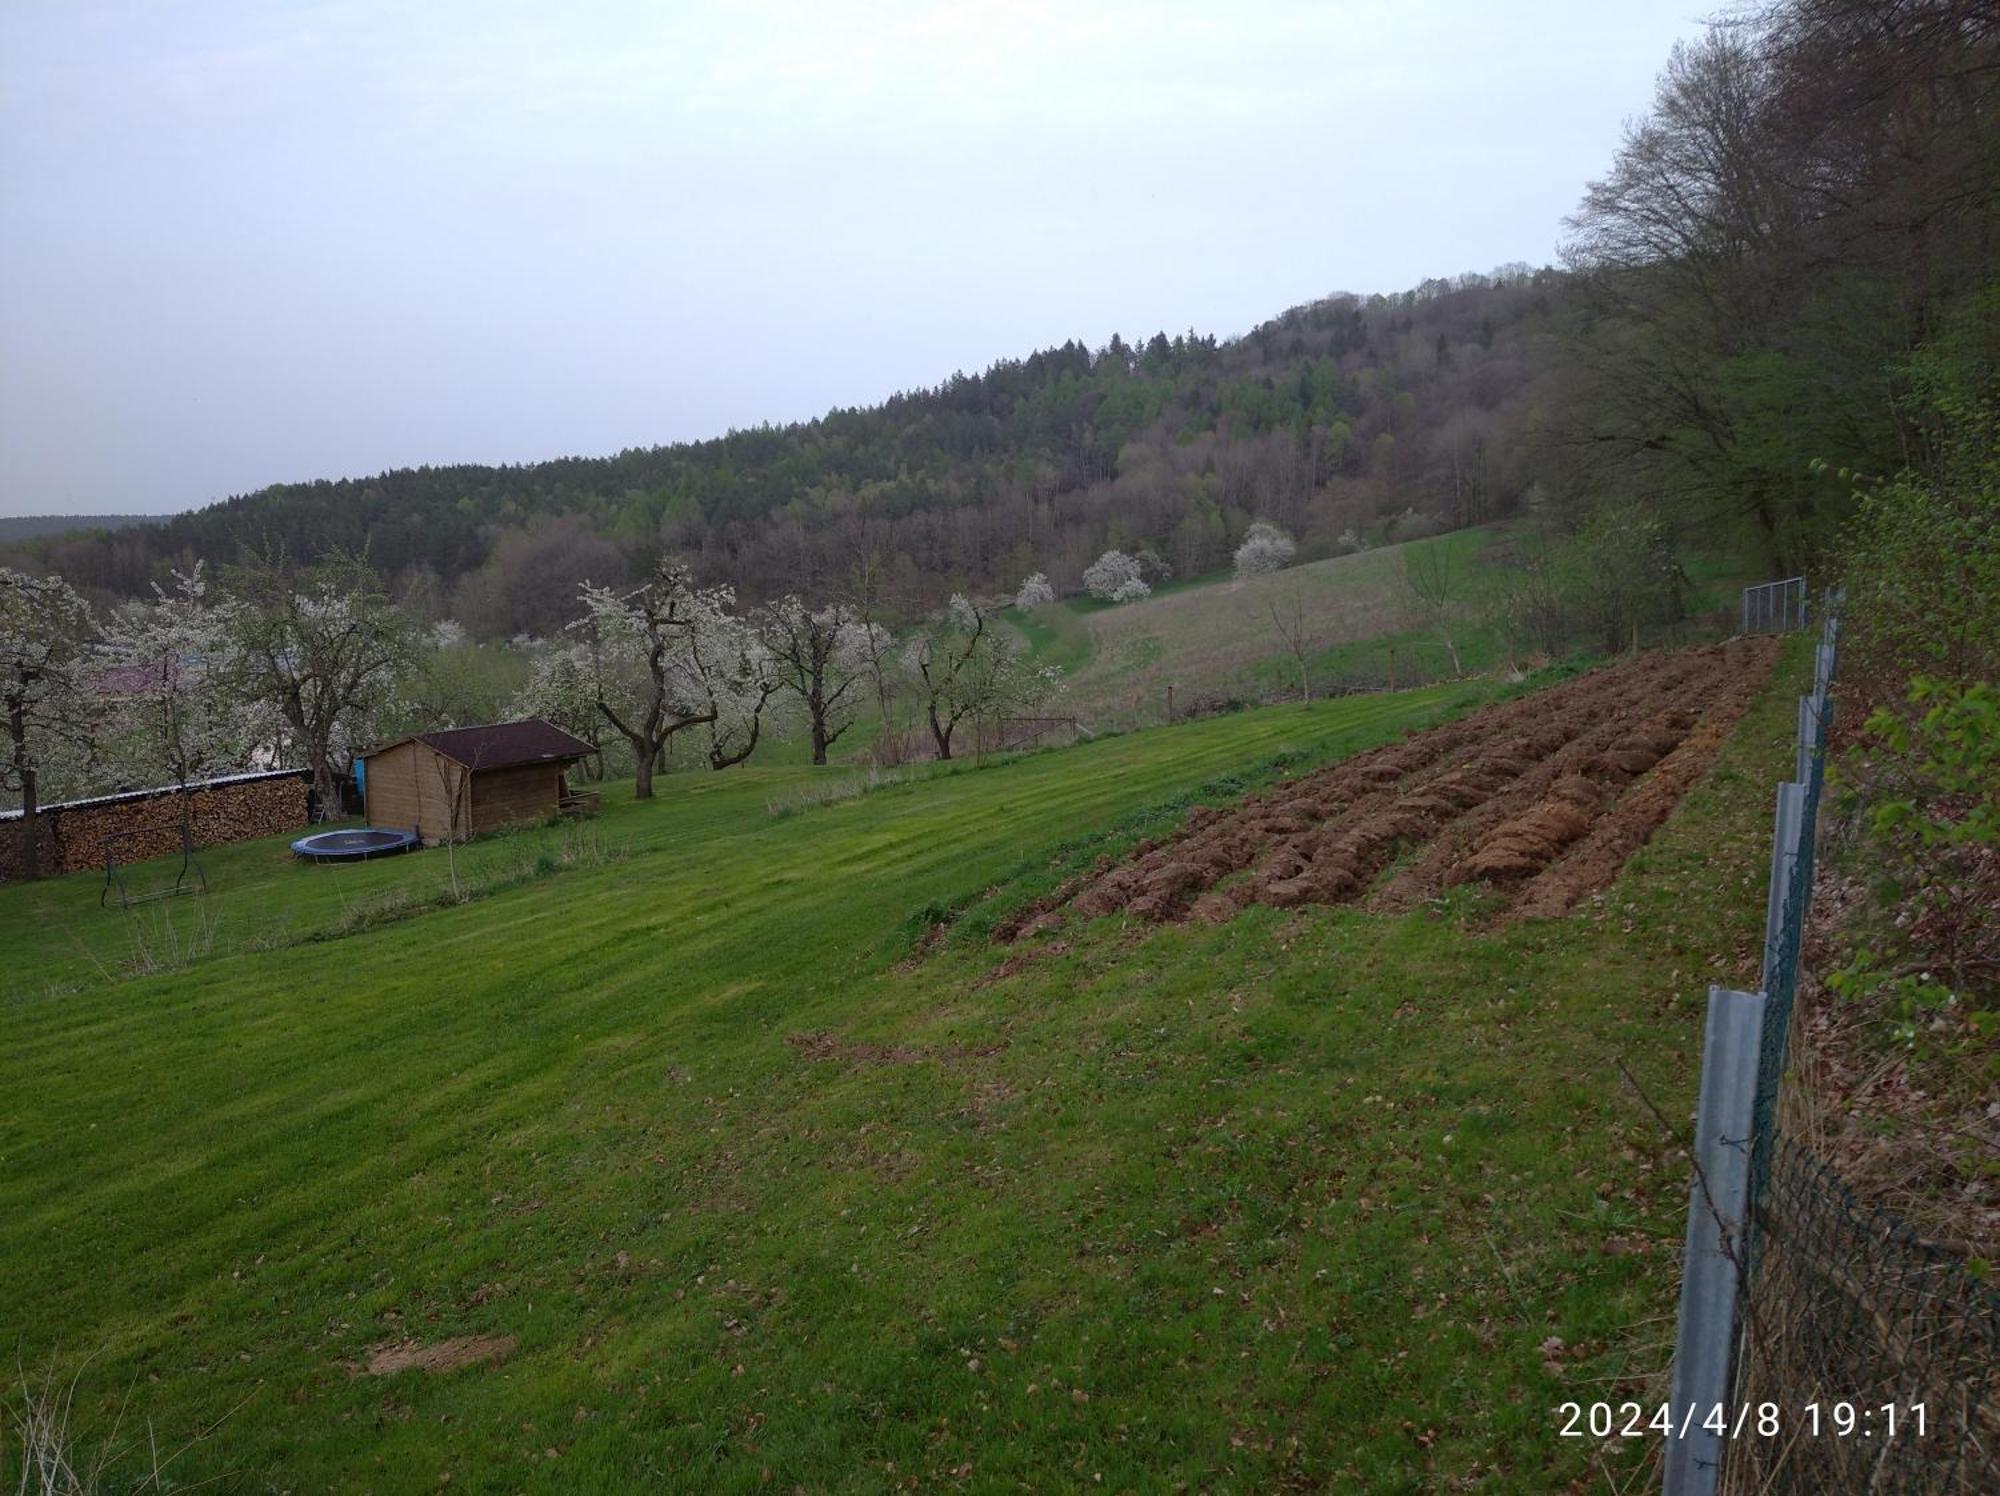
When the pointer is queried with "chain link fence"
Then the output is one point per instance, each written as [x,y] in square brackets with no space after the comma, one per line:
[1876,1353]
[1850,1310]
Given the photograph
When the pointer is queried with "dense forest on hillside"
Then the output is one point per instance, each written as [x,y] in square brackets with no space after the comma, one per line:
[1786,281]
[26,527]
[1337,419]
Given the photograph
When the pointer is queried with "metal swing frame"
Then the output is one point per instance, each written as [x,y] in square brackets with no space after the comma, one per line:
[191,879]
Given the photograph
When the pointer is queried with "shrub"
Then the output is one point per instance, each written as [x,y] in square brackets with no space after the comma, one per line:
[1265,549]
[1114,576]
[1920,559]
[1930,956]
[1035,593]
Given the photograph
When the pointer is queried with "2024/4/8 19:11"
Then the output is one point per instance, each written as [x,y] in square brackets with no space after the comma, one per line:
[1765,1420]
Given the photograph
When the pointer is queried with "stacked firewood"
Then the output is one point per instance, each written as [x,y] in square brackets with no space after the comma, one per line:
[73,836]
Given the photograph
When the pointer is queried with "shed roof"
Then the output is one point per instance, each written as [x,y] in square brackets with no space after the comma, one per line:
[499,745]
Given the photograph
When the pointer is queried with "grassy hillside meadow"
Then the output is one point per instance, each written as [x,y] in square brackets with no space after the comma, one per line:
[1213,639]
[762,1183]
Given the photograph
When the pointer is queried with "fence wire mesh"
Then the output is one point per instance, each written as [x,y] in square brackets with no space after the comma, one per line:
[1775,607]
[1846,1318]
[1851,1313]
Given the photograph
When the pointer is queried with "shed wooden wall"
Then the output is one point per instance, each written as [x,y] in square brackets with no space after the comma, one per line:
[525,792]
[413,785]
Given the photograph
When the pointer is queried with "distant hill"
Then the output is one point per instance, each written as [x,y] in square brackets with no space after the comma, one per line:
[28,526]
[1335,419]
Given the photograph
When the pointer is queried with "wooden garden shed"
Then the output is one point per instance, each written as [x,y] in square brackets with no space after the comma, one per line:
[463,781]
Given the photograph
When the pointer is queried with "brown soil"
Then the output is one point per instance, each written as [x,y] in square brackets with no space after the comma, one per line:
[1016,963]
[447,1355]
[1542,798]
[820,1045]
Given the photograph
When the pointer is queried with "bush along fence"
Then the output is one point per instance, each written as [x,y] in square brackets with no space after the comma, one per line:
[1822,1345]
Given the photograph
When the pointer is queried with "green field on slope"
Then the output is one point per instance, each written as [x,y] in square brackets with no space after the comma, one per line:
[1213,639]
[767,1192]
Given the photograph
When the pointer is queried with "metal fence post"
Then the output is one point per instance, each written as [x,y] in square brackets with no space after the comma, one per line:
[1718,1203]
[1790,821]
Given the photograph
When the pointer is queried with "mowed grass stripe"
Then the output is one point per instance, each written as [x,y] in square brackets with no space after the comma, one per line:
[462,1122]
[269,998]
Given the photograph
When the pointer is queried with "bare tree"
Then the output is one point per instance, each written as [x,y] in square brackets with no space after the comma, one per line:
[451,784]
[873,612]
[1288,616]
[1432,578]
[967,670]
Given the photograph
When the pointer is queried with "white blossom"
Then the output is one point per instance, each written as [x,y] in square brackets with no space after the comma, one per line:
[165,671]
[669,655]
[1113,577]
[962,613]
[1035,593]
[1265,549]
[45,704]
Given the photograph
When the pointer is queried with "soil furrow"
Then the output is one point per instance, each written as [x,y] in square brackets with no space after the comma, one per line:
[1543,797]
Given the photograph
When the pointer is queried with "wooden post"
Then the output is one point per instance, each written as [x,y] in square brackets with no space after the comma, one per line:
[1170,701]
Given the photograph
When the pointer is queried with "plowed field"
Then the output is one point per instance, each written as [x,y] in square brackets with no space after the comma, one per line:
[1541,798]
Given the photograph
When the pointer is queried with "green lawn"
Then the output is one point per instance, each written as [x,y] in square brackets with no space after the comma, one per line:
[768,1196]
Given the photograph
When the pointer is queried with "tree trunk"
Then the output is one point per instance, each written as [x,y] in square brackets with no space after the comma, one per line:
[324,786]
[717,759]
[24,772]
[819,736]
[642,770]
[941,735]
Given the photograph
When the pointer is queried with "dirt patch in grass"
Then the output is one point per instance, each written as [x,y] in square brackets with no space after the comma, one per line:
[446,1355]
[821,1045]
[1015,964]
[1541,799]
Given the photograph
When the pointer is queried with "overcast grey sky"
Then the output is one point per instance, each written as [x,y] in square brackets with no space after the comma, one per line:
[244,243]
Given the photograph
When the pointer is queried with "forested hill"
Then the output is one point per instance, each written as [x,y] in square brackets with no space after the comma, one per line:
[27,526]
[1337,419]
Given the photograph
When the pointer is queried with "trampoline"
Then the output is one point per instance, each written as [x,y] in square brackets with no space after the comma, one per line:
[353,846]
